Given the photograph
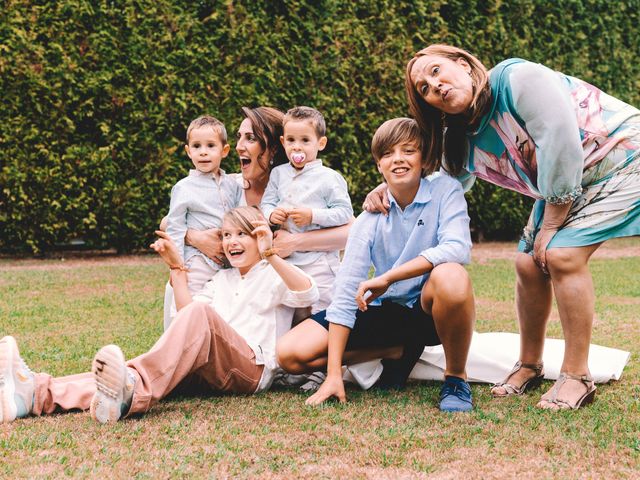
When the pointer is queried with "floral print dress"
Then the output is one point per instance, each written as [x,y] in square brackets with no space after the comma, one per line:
[558,139]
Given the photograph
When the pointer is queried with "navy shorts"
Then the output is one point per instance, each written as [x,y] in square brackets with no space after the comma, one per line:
[388,325]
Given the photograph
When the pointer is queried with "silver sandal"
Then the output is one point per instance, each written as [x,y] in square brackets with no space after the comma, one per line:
[584,400]
[530,384]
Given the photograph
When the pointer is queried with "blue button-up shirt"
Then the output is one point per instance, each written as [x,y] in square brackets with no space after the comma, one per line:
[199,202]
[435,225]
[317,187]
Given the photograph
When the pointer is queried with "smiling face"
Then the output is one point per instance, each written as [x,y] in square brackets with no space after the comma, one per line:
[240,247]
[206,149]
[301,142]
[443,83]
[401,167]
[254,162]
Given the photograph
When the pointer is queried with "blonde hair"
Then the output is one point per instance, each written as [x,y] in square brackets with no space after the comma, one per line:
[243,218]
[434,123]
[208,121]
[394,132]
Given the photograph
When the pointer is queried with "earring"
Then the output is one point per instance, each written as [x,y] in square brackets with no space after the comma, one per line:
[271,162]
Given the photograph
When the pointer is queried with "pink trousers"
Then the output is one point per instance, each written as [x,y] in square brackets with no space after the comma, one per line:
[199,346]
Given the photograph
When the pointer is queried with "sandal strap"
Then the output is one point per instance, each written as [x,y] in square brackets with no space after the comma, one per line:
[586,380]
[512,389]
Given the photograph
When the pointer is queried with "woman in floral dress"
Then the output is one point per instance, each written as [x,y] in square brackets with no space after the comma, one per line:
[555,138]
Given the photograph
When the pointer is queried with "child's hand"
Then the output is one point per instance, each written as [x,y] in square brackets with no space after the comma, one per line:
[278,216]
[301,216]
[333,386]
[167,250]
[377,286]
[263,235]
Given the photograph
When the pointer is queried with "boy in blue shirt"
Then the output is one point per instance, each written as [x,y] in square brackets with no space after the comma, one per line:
[421,295]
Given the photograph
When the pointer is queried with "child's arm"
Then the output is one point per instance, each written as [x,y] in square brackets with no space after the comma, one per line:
[294,278]
[333,385]
[271,199]
[178,274]
[341,313]
[177,217]
[338,210]
[378,285]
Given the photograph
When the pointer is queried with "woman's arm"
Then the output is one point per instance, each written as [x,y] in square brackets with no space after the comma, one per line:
[208,242]
[177,273]
[322,240]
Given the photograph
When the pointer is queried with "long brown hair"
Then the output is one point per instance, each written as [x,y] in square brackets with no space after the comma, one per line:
[434,123]
[266,123]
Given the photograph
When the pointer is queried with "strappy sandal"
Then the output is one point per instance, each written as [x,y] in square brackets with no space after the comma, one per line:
[511,389]
[556,403]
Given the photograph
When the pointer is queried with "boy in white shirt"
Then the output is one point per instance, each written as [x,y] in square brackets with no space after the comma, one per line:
[304,195]
[200,200]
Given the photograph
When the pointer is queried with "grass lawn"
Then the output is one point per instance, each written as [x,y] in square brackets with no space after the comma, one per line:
[61,312]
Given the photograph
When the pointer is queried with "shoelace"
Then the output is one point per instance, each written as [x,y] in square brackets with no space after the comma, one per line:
[459,390]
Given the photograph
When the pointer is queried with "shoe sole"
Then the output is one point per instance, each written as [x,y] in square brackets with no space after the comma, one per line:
[109,370]
[8,407]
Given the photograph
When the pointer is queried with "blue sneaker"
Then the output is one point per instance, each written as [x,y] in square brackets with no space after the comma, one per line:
[17,384]
[455,395]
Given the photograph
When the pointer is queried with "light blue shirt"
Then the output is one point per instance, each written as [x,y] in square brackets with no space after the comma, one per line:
[435,225]
[199,202]
[317,187]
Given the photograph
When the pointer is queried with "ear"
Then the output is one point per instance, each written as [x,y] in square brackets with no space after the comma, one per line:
[322,142]
[282,140]
[186,149]
[464,64]
[225,150]
[379,170]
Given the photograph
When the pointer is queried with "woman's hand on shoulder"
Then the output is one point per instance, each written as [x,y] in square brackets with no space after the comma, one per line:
[377,201]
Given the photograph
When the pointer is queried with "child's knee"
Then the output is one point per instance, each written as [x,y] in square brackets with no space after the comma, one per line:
[450,283]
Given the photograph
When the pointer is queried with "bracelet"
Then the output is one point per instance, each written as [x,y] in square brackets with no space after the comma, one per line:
[182,268]
[268,253]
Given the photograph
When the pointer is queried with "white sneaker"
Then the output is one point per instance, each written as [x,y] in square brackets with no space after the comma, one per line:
[114,386]
[17,384]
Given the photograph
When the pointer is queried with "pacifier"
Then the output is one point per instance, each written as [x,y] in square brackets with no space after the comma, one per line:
[298,157]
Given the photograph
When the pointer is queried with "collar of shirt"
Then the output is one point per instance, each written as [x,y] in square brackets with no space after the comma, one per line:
[317,163]
[422,196]
[197,173]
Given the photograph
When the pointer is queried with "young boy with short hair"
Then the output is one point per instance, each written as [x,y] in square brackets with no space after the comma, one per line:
[200,200]
[304,195]
[421,294]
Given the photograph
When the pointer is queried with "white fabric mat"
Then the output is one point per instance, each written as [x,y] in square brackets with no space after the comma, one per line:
[491,358]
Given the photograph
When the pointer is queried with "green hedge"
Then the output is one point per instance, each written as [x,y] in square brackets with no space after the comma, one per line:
[96,95]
